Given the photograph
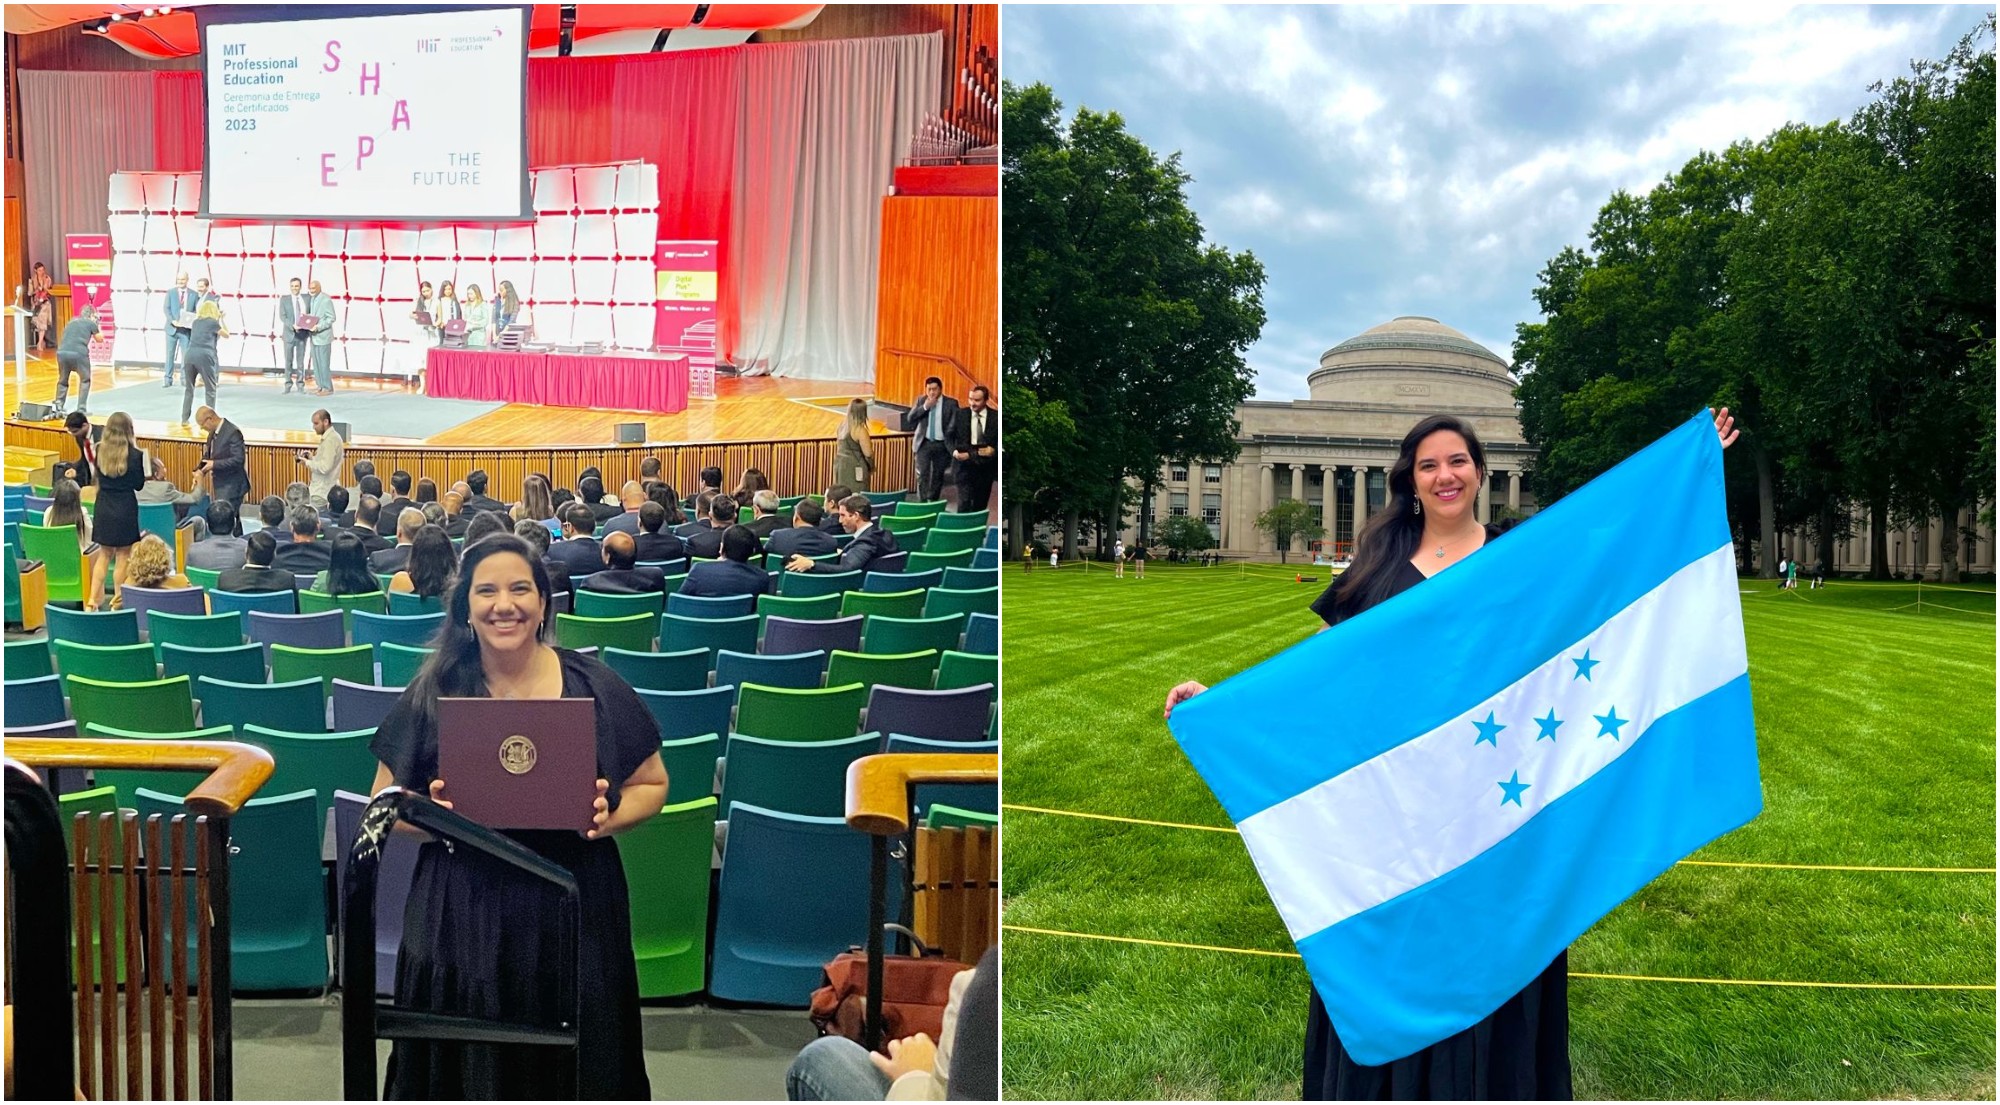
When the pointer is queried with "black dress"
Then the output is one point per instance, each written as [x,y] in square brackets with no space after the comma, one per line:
[1519,1052]
[114,521]
[477,937]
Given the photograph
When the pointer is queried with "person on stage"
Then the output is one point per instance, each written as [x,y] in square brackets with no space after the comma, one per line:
[975,445]
[42,303]
[482,940]
[322,340]
[507,309]
[1521,1050]
[73,356]
[121,472]
[477,317]
[200,362]
[180,301]
[930,419]
[854,449]
[291,308]
[426,306]
[448,306]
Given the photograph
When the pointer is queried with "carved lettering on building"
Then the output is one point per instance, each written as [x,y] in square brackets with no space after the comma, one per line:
[1413,389]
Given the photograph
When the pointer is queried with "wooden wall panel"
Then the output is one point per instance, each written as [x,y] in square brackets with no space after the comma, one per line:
[68,48]
[940,294]
[869,21]
[17,266]
[793,467]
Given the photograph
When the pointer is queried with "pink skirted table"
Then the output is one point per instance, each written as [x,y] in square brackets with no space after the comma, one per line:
[656,383]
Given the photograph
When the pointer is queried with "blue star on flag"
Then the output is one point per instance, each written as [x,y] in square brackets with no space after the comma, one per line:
[1583,666]
[1488,730]
[1611,723]
[1513,788]
[1549,725]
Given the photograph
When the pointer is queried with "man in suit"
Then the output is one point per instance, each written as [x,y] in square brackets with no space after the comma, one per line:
[929,420]
[366,525]
[590,491]
[627,521]
[697,520]
[578,548]
[321,308]
[323,464]
[271,514]
[395,559]
[803,537]
[454,514]
[85,465]
[222,460]
[475,482]
[159,489]
[257,574]
[621,574]
[291,308]
[336,515]
[733,574]
[857,516]
[73,359]
[764,504]
[180,301]
[653,543]
[711,479]
[399,495]
[975,445]
[219,551]
[537,537]
[829,522]
[721,515]
[305,554]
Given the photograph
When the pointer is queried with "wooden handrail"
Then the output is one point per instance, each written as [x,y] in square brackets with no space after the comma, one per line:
[971,381]
[235,771]
[878,787]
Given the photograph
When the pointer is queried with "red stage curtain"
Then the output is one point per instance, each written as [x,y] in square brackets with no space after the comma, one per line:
[177,122]
[569,116]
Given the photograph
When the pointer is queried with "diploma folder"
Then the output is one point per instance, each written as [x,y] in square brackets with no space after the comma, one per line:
[519,763]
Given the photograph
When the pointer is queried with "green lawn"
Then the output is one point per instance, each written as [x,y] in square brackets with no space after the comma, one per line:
[1876,739]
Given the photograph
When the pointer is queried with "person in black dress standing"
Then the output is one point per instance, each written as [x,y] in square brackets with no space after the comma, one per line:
[478,937]
[200,358]
[121,472]
[1521,1050]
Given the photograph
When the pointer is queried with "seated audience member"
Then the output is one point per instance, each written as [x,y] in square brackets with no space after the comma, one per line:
[670,501]
[347,568]
[829,507]
[767,521]
[590,491]
[431,564]
[649,469]
[711,479]
[297,493]
[151,564]
[367,517]
[698,521]
[654,542]
[721,515]
[336,515]
[427,491]
[621,574]
[578,549]
[271,515]
[66,509]
[371,484]
[627,520]
[560,498]
[475,482]
[537,501]
[803,537]
[399,497]
[752,482]
[159,489]
[454,514]
[395,559]
[257,574]
[484,523]
[538,539]
[964,1063]
[870,540]
[362,470]
[734,574]
[218,552]
[433,514]
[304,554]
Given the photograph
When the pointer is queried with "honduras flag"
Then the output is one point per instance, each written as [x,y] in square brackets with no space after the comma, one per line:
[1444,792]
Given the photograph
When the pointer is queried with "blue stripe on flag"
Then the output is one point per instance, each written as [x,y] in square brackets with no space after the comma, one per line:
[1413,663]
[1438,959]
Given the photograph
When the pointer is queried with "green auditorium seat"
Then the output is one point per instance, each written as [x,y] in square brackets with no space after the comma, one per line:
[905,508]
[925,561]
[972,521]
[942,816]
[911,669]
[902,525]
[400,662]
[109,663]
[675,849]
[802,777]
[805,585]
[355,663]
[28,659]
[194,630]
[321,762]
[777,713]
[634,632]
[105,627]
[56,547]
[295,707]
[128,781]
[967,669]
[235,663]
[402,603]
[690,763]
[895,604]
[660,671]
[154,706]
[819,608]
[886,636]
[604,604]
[942,601]
[102,800]
[678,633]
[204,578]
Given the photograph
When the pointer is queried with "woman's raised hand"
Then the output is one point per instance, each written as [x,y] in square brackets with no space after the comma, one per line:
[1725,427]
[1181,694]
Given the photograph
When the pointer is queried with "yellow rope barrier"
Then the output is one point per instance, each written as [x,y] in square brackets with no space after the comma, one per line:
[1685,862]
[1573,974]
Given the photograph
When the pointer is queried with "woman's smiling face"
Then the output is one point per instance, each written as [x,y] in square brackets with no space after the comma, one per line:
[1447,480]
[504,604]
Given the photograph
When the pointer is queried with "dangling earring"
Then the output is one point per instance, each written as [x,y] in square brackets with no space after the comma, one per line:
[1416,506]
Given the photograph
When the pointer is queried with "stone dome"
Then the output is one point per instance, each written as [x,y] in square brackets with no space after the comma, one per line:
[1411,360]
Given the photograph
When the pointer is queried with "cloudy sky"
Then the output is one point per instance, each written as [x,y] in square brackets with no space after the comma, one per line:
[1430,160]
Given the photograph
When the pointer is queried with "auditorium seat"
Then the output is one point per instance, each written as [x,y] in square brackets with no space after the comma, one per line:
[972,521]
[153,706]
[908,508]
[778,713]
[966,669]
[891,562]
[889,499]
[354,663]
[361,705]
[924,561]
[296,707]
[174,600]
[955,715]
[130,780]
[251,603]
[700,606]
[774,562]
[785,636]
[36,701]
[416,630]
[56,547]
[670,854]
[605,604]
[683,714]
[982,634]
[887,636]
[971,579]
[28,659]
[816,609]
[799,670]
[898,604]
[883,583]
[398,868]
[803,777]
[678,633]
[905,525]
[403,604]
[235,663]
[952,541]
[942,601]
[277,895]
[793,894]
[659,671]
[321,762]
[983,797]
[812,584]
[196,630]
[634,632]
[109,663]
[399,663]
[690,764]
[911,669]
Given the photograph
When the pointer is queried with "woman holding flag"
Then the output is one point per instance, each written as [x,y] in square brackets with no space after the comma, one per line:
[1521,1049]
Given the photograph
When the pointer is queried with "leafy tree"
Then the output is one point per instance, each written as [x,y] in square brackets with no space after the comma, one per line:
[1289,518]
[1185,534]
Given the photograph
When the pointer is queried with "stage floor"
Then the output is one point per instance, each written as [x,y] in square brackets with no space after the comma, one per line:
[746,409]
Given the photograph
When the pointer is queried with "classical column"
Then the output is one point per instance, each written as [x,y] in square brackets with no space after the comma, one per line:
[1269,496]
[1329,503]
[1298,544]
[1514,490]
[1360,499]
[1483,506]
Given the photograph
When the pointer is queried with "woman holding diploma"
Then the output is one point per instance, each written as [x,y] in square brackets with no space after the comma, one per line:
[477,317]
[478,937]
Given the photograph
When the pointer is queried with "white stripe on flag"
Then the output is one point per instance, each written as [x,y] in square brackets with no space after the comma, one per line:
[1425,807]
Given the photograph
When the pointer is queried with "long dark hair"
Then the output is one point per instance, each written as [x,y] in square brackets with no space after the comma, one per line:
[432,560]
[453,670]
[347,567]
[1390,537]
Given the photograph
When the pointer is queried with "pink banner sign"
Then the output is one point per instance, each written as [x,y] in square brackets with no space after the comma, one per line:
[88,257]
[684,277]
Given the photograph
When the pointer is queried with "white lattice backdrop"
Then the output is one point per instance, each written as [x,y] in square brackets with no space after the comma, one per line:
[584,267]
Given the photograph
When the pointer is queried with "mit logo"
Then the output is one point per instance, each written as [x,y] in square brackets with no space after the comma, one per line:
[428,45]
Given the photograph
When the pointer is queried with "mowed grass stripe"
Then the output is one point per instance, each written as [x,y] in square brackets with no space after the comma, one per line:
[1875,729]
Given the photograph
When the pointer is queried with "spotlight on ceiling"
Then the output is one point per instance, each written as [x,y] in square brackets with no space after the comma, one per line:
[115,17]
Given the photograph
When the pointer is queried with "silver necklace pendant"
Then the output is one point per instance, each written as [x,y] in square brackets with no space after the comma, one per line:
[1440,552]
